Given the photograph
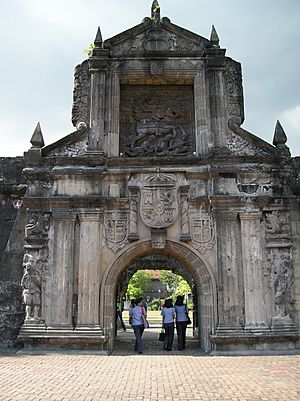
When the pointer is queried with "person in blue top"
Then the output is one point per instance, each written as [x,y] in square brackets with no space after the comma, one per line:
[181,321]
[168,315]
[136,314]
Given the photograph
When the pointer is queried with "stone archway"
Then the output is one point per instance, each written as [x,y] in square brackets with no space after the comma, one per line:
[202,275]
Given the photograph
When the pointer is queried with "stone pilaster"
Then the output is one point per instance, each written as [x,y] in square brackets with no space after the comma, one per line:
[98,69]
[61,274]
[218,111]
[230,295]
[89,271]
[133,214]
[255,311]
[184,205]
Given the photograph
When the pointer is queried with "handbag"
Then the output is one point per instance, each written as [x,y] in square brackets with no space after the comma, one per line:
[161,336]
[144,320]
[188,318]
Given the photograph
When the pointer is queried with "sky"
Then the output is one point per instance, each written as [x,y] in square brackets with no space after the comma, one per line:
[41,42]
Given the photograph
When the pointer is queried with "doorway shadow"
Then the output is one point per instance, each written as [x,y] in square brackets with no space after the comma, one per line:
[124,343]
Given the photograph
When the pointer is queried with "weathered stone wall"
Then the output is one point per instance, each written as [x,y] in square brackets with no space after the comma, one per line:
[295,226]
[12,223]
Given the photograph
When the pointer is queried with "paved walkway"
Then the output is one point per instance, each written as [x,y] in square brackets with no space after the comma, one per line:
[156,375]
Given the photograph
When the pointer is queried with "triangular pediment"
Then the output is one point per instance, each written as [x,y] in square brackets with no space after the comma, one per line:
[157,37]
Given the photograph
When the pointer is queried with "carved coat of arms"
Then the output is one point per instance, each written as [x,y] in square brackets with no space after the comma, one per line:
[202,230]
[159,204]
[116,229]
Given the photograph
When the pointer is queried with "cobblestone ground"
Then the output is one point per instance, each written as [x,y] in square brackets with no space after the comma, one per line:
[155,376]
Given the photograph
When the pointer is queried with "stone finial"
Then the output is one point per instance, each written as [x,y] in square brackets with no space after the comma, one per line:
[214,38]
[280,137]
[98,40]
[155,11]
[37,139]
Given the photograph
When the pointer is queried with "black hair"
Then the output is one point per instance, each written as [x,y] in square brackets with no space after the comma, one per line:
[168,303]
[179,300]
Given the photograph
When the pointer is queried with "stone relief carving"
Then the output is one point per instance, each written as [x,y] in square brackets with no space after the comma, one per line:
[159,204]
[72,150]
[277,225]
[116,229]
[158,238]
[248,186]
[38,226]
[234,89]
[80,109]
[156,121]
[203,230]
[157,39]
[31,283]
[239,146]
[283,282]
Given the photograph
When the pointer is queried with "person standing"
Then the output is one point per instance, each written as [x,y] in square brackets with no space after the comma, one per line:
[168,315]
[181,321]
[136,317]
[120,310]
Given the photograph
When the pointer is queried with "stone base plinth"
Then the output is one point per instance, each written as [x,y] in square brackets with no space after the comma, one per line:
[62,337]
[251,342]
[283,324]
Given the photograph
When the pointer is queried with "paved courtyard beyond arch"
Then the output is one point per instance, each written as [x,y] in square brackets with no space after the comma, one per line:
[93,377]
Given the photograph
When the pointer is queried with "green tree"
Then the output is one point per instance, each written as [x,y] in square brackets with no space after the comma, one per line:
[170,280]
[176,285]
[139,283]
[183,287]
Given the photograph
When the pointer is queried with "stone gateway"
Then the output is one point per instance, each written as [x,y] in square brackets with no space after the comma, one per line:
[159,168]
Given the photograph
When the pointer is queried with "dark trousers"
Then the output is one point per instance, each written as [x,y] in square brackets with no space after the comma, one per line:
[138,332]
[181,334]
[169,336]
[121,321]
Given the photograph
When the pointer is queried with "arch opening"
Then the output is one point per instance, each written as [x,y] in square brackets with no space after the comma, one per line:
[185,261]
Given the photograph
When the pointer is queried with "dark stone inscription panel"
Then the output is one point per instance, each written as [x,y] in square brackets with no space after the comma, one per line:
[156,120]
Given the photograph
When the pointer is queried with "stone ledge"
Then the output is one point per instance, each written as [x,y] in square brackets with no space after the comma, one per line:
[255,341]
[39,336]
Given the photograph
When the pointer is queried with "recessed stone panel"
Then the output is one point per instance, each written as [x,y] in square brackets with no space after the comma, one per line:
[156,120]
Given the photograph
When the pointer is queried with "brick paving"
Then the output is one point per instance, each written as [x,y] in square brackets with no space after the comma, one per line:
[156,375]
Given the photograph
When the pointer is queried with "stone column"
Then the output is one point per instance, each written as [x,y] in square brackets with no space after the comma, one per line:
[230,298]
[255,315]
[89,271]
[61,276]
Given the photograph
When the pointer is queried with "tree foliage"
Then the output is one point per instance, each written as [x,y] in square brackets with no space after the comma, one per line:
[139,283]
[176,285]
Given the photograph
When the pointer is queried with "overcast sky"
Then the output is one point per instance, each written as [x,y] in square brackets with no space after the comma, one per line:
[41,41]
